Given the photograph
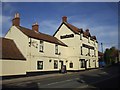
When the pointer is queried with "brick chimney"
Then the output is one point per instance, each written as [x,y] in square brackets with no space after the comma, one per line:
[87,30]
[64,19]
[35,27]
[16,20]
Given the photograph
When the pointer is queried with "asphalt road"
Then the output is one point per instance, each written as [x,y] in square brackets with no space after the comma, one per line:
[98,78]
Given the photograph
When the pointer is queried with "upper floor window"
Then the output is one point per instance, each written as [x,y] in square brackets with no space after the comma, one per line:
[88,39]
[80,36]
[94,52]
[89,51]
[56,49]
[81,50]
[41,47]
[29,42]
[94,42]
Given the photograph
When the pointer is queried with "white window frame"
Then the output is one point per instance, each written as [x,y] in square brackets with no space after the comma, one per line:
[55,64]
[40,65]
[41,46]
[81,36]
[56,49]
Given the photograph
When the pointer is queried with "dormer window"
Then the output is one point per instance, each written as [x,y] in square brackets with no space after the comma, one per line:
[41,46]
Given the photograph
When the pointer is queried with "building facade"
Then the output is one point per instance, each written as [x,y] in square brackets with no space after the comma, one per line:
[69,46]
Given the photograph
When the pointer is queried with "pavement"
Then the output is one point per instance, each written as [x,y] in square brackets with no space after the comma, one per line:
[96,78]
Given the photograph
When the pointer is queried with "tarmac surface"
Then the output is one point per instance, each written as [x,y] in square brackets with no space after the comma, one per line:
[97,78]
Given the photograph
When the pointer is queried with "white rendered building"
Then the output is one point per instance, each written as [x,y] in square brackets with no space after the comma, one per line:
[69,46]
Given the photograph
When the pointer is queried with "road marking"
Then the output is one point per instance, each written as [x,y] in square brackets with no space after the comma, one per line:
[62,81]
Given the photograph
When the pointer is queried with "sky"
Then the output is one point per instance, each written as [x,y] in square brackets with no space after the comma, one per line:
[101,18]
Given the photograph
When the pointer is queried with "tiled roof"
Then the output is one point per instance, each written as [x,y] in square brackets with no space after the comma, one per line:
[74,29]
[40,36]
[9,50]
[77,30]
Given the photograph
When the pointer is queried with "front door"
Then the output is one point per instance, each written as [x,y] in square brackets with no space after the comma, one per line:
[61,64]
[85,64]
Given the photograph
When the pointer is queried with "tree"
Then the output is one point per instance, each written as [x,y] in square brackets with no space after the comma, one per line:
[111,55]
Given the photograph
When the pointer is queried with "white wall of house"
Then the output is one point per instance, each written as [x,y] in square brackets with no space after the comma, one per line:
[13,67]
[20,39]
[74,48]
[48,54]
[69,54]
[32,53]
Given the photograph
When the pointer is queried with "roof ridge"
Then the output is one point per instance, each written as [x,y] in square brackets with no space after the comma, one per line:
[40,36]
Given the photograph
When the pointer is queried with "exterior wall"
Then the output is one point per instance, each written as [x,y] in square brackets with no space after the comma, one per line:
[69,54]
[19,38]
[32,53]
[13,67]
[74,49]
[48,54]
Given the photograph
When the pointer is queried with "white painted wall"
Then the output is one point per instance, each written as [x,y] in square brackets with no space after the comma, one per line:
[74,49]
[20,39]
[13,67]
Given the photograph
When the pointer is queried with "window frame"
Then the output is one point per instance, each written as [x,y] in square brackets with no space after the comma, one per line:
[41,46]
[89,63]
[56,48]
[80,36]
[88,39]
[81,48]
[94,52]
[55,64]
[39,67]
[71,64]
[82,62]
[88,51]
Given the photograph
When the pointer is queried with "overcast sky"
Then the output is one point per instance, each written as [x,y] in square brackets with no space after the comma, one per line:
[100,18]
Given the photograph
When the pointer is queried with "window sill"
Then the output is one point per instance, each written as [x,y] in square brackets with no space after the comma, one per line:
[57,54]
[41,51]
[40,69]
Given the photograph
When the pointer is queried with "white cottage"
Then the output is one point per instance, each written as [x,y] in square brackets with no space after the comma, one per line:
[69,46]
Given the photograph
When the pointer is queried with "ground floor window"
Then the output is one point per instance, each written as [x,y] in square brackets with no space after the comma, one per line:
[39,64]
[55,64]
[71,65]
[82,63]
[89,63]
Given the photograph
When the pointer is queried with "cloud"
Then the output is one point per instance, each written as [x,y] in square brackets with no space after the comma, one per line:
[49,26]
[5,22]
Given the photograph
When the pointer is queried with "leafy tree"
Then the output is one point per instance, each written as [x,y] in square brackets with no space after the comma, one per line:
[111,55]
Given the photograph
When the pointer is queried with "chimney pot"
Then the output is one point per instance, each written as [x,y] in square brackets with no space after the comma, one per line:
[35,27]
[64,19]
[16,20]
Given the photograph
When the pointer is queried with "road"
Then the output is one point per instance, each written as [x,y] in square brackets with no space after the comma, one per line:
[97,78]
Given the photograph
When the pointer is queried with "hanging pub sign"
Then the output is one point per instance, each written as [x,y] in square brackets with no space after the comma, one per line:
[67,36]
